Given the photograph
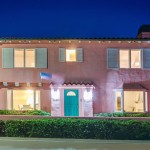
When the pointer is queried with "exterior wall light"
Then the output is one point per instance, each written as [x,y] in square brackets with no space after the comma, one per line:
[87,95]
[55,94]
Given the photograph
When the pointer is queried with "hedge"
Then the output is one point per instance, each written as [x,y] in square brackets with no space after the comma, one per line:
[24,112]
[122,115]
[79,128]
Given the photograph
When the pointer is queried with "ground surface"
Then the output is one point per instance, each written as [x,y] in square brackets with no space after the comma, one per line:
[70,144]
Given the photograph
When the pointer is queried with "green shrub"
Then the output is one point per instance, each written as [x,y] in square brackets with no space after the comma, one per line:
[79,128]
[2,128]
[24,112]
[122,114]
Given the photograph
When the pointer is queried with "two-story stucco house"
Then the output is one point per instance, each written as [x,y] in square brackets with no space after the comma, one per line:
[85,76]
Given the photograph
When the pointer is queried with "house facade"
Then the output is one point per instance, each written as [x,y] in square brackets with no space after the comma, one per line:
[83,76]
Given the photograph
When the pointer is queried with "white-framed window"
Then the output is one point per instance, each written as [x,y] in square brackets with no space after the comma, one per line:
[119,100]
[70,55]
[18,58]
[130,58]
[23,100]
[24,58]
[130,101]
[30,58]
[124,58]
[135,58]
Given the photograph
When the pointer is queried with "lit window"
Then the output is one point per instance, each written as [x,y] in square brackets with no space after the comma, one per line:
[19,57]
[135,59]
[23,99]
[133,101]
[118,101]
[70,55]
[24,58]
[124,59]
[30,58]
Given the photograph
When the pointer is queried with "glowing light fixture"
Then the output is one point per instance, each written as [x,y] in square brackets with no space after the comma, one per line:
[87,95]
[55,94]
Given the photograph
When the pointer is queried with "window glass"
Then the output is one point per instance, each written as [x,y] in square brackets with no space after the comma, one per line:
[118,101]
[19,57]
[23,99]
[124,59]
[135,59]
[37,102]
[133,101]
[70,55]
[30,58]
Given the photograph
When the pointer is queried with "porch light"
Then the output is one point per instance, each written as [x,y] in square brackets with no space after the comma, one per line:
[55,94]
[87,95]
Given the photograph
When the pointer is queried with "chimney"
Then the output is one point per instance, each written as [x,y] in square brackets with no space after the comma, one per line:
[144,31]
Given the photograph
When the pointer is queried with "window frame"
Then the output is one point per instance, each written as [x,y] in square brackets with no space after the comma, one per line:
[140,58]
[75,53]
[145,100]
[10,100]
[130,67]
[63,55]
[24,57]
[129,56]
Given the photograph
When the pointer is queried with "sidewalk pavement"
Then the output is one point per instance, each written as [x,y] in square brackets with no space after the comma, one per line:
[7,143]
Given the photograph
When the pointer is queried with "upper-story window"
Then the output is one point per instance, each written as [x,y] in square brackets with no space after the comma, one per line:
[128,58]
[70,55]
[24,58]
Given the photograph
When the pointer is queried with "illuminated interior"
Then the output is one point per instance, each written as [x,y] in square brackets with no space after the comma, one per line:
[30,58]
[23,99]
[135,59]
[118,101]
[19,57]
[124,58]
[133,101]
[130,58]
[26,56]
[70,55]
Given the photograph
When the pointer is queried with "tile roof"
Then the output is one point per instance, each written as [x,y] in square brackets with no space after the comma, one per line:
[133,86]
[85,83]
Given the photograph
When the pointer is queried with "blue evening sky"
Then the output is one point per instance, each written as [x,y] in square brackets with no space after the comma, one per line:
[73,18]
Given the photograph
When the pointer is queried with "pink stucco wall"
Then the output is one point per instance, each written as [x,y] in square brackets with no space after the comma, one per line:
[93,68]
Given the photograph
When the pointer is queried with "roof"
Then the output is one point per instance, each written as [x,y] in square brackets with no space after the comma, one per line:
[144,28]
[133,86]
[85,83]
[72,38]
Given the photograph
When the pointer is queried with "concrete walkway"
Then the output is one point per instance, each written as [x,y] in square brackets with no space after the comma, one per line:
[70,144]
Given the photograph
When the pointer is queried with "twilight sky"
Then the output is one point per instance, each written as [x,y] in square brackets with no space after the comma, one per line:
[73,18]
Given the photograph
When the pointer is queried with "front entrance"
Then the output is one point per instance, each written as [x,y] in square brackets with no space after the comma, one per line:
[71,102]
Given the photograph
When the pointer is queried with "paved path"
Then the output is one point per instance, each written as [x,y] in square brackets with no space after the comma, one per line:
[70,144]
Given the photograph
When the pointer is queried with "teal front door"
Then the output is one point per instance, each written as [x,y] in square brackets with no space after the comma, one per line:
[71,103]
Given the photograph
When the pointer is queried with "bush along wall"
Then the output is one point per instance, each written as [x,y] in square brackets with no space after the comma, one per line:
[79,128]
[24,112]
[117,114]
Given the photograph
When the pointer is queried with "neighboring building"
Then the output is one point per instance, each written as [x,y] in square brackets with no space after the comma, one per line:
[84,76]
